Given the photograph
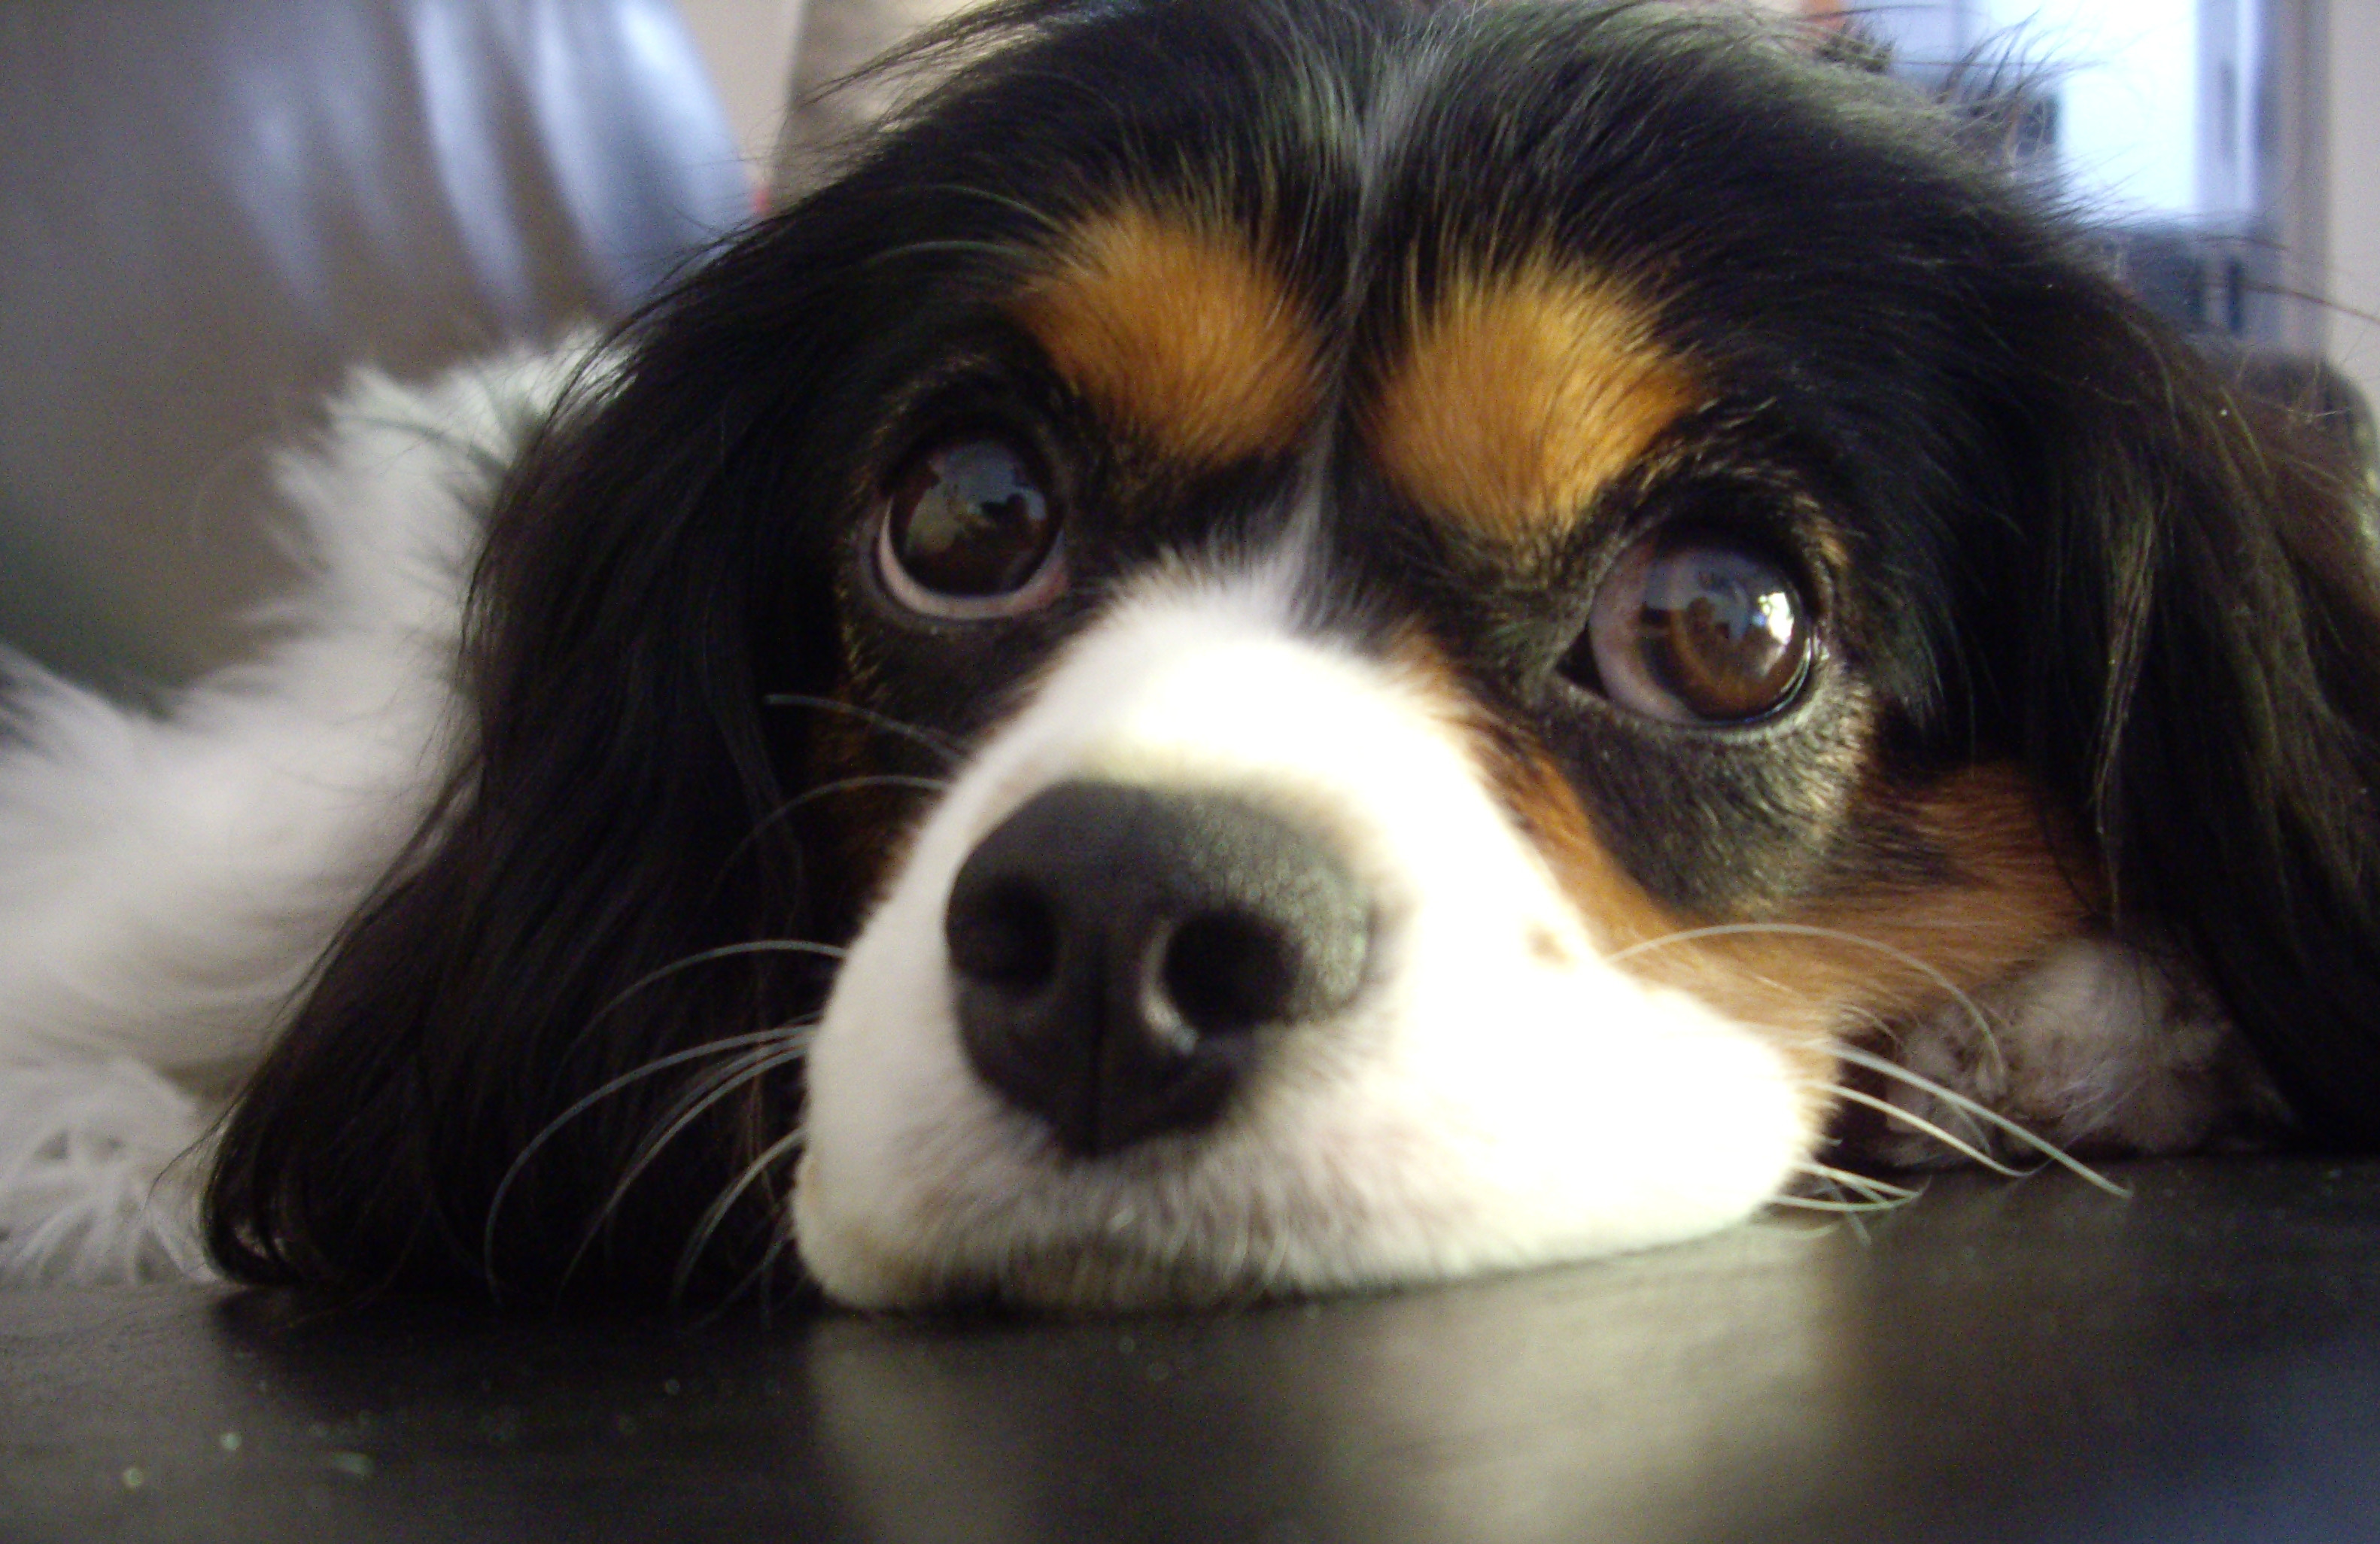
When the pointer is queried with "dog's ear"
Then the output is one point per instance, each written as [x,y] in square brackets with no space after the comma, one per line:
[559,1024]
[2197,618]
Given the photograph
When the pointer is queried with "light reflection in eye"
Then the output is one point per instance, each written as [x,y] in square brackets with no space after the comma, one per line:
[970,531]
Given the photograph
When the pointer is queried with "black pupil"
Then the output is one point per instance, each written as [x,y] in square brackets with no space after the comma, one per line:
[1721,632]
[970,519]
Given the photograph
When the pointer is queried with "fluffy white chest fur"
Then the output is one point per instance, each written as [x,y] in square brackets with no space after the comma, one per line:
[168,885]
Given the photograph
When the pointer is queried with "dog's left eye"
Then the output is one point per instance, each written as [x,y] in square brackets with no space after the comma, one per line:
[969,531]
[1696,629]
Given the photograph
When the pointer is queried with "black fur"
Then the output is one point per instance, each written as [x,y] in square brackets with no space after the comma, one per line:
[2075,547]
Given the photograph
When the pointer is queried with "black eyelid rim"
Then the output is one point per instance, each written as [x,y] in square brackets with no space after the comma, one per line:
[993,386]
[1784,520]
[961,430]
[1783,523]
[1797,508]
[871,533]
[970,397]
[949,418]
[1781,723]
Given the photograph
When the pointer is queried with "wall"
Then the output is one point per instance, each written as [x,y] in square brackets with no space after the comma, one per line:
[749,45]
[2351,189]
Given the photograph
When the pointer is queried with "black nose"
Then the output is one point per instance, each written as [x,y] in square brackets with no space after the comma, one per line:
[1118,951]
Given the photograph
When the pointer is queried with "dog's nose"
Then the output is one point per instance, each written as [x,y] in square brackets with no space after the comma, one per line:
[1119,954]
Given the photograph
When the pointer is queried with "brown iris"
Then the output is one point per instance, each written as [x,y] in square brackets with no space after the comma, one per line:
[1700,629]
[970,531]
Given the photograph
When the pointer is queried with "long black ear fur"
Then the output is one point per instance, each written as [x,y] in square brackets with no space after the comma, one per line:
[2200,642]
[515,1069]
[614,821]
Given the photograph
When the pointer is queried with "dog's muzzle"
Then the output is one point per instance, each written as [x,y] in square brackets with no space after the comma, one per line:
[1222,969]
[1120,954]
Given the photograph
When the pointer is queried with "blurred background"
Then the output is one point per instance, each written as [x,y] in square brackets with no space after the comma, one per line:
[2229,149]
[211,209]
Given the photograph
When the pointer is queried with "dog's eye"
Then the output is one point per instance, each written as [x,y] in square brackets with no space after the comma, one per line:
[970,532]
[1696,629]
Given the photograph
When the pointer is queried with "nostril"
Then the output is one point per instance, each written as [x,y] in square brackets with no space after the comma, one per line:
[1227,972]
[1117,954]
[1006,935]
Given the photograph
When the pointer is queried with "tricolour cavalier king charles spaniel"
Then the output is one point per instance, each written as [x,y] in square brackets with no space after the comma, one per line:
[1276,646]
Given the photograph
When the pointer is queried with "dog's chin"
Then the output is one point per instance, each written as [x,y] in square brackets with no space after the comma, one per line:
[1393,1151]
[1143,1243]
[1332,1175]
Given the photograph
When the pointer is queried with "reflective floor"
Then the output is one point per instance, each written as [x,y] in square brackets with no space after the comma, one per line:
[2000,1361]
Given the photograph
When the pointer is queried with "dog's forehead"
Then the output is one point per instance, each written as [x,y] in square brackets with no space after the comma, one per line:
[1179,326]
[1459,261]
[1502,403]
[1512,397]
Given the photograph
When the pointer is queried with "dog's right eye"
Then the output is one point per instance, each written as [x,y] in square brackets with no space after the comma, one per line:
[970,532]
[1696,629]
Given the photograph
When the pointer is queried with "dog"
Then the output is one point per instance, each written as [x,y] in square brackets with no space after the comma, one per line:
[1275,647]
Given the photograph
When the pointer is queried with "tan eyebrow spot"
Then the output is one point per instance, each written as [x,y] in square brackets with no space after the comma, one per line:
[1520,394]
[1179,330]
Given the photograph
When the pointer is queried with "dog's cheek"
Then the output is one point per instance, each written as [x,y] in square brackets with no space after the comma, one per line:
[886,1055]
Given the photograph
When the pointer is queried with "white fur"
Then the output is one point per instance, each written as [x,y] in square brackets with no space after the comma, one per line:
[2098,1047]
[1482,1104]
[90,1191]
[168,884]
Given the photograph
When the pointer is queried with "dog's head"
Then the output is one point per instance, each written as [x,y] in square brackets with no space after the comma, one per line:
[1384,628]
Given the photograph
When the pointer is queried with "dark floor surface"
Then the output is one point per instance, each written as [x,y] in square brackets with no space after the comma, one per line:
[2003,1362]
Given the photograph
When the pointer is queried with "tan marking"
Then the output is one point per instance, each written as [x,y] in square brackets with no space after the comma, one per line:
[1841,967]
[1618,911]
[1178,328]
[1626,921]
[2023,883]
[1878,959]
[2013,895]
[2013,898]
[1521,394]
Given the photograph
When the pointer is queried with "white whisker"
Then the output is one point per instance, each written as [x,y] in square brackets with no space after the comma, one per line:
[916,734]
[1878,1189]
[1978,1133]
[873,779]
[1950,989]
[716,1213]
[741,1073]
[1964,1149]
[845,785]
[588,1100]
[725,951]
[1847,1208]
[1835,1192]
[2042,1145]
[759,1271]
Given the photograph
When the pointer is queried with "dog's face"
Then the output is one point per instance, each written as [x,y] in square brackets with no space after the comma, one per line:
[1385,627]
[1382,618]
